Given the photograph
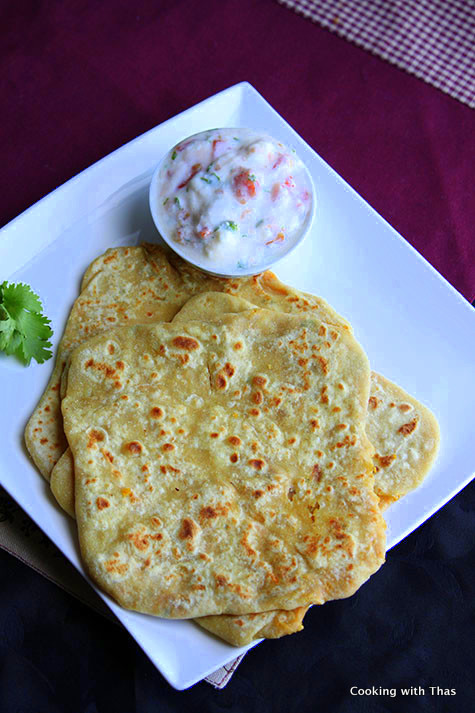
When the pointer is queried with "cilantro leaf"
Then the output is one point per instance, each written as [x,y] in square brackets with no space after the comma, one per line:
[7,327]
[24,329]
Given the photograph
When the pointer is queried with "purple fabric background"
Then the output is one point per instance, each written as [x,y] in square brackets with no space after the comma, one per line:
[81,78]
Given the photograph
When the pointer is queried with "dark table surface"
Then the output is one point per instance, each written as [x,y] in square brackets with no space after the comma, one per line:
[79,79]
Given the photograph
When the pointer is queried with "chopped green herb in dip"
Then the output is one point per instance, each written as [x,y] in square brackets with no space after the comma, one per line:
[227,225]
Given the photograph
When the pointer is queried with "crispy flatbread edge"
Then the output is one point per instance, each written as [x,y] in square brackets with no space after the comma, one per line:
[242,630]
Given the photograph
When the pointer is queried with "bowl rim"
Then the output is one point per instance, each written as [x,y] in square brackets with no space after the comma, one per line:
[206,268]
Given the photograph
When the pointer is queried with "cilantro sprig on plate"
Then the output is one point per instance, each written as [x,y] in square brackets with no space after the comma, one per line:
[24,329]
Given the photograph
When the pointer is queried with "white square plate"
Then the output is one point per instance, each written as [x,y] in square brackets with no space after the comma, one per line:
[417,330]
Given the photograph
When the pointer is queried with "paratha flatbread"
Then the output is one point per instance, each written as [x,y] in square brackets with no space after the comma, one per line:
[405,435]
[125,285]
[119,273]
[415,439]
[140,285]
[210,480]
[268,291]
[404,432]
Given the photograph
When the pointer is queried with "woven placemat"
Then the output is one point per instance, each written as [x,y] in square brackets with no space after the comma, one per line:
[432,39]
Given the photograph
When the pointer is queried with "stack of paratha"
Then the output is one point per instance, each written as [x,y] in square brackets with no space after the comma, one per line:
[223,445]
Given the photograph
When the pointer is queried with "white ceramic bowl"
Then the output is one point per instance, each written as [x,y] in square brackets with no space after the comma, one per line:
[207,266]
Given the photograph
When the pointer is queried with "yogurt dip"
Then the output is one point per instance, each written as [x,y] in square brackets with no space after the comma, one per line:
[233,199]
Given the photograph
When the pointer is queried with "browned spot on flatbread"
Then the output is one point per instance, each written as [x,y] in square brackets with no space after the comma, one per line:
[220,382]
[209,512]
[185,343]
[114,566]
[408,428]
[257,463]
[133,447]
[384,461]
[95,437]
[188,529]
[244,542]
[312,544]
[229,369]
[156,412]
[102,503]
[317,472]
[108,455]
[139,540]
[323,364]
[373,402]
[108,371]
